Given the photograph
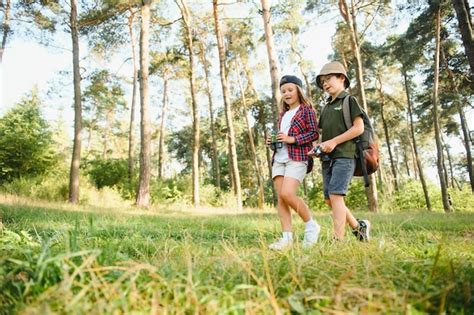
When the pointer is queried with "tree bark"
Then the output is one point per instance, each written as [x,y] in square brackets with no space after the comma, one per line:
[76,150]
[215,156]
[143,191]
[413,139]
[465,26]
[386,133]
[192,81]
[161,141]
[131,133]
[6,28]
[273,60]
[258,172]
[371,191]
[228,111]
[439,148]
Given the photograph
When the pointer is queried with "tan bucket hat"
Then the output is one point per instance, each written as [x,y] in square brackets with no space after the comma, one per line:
[333,67]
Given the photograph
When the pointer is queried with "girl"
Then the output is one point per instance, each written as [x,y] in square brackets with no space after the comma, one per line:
[290,163]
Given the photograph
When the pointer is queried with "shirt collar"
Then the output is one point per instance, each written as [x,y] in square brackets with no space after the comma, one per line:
[340,96]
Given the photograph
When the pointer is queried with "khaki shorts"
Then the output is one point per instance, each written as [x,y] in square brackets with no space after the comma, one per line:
[293,169]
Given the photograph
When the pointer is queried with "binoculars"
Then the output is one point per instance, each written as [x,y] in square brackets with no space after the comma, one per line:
[275,143]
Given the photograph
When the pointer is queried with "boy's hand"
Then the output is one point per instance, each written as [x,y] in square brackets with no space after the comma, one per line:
[285,138]
[328,146]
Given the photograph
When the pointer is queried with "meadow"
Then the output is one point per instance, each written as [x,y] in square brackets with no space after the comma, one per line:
[57,259]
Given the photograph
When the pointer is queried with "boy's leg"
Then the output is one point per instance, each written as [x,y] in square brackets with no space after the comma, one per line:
[338,215]
[350,219]
[340,171]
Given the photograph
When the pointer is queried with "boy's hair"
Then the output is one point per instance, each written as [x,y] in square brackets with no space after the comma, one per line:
[303,99]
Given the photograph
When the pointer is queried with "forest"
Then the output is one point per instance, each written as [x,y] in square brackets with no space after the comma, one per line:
[154,134]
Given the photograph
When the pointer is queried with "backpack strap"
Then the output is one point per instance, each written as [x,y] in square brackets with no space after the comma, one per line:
[346,112]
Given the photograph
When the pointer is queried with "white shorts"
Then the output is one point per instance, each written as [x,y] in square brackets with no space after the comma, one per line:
[293,169]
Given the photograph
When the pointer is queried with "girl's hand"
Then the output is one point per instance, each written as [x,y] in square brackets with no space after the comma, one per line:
[285,138]
[328,146]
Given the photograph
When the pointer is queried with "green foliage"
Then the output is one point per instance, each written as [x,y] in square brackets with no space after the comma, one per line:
[108,172]
[26,145]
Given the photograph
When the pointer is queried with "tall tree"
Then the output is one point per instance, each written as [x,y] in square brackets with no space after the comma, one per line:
[463,13]
[227,108]
[349,16]
[379,87]
[256,165]
[215,155]
[143,190]
[462,117]
[5,27]
[195,109]
[76,150]
[131,128]
[272,59]
[439,148]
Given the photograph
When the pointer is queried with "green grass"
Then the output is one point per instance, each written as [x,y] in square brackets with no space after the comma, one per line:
[71,259]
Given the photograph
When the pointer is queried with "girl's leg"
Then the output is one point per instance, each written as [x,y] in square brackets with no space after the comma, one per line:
[282,207]
[288,190]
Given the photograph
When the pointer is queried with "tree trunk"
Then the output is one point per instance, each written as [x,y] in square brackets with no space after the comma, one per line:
[294,49]
[215,156]
[131,133]
[413,139]
[273,60]
[258,172]
[371,191]
[462,118]
[262,120]
[6,28]
[385,129]
[76,150]
[192,81]
[143,191]
[161,141]
[465,26]
[439,149]
[228,110]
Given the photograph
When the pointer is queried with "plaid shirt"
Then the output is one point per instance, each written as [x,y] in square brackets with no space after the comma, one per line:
[304,127]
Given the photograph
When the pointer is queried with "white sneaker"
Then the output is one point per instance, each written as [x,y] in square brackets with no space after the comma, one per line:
[281,244]
[311,236]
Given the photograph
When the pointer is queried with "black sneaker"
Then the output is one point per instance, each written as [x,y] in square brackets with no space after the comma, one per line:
[361,232]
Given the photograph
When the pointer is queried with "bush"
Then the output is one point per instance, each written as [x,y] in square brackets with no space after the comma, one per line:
[26,145]
[108,172]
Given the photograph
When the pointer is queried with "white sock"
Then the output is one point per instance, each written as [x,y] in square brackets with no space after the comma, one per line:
[288,236]
[310,224]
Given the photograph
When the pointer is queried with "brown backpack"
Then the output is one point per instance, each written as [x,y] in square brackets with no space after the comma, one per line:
[367,157]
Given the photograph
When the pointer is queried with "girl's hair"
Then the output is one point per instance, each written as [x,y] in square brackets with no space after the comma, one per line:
[303,99]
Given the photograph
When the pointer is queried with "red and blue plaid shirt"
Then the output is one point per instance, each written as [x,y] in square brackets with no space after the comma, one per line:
[304,128]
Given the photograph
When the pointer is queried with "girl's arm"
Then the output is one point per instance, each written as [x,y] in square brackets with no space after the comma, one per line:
[311,132]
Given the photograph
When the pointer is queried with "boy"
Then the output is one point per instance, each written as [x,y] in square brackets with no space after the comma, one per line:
[338,150]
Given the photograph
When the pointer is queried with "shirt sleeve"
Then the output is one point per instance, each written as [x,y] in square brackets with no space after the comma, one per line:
[355,108]
[311,132]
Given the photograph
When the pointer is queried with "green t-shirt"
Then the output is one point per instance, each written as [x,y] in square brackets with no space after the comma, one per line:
[332,124]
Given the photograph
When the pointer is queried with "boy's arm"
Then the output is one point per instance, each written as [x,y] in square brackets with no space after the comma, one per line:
[356,130]
[311,133]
